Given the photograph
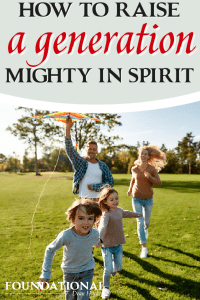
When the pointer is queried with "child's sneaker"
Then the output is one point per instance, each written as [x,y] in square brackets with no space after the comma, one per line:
[144,252]
[105,293]
[146,233]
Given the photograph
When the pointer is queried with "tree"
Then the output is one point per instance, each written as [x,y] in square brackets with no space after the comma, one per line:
[119,158]
[15,162]
[105,156]
[25,160]
[46,155]
[31,164]
[35,133]
[145,143]
[187,151]
[87,129]
[172,163]
[120,162]
[43,166]
[198,167]
[12,164]
[163,148]
[2,158]
[60,160]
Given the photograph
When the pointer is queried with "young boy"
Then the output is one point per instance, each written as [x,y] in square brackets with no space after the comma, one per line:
[78,262]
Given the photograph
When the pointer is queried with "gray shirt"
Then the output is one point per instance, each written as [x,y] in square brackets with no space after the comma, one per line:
[77,252]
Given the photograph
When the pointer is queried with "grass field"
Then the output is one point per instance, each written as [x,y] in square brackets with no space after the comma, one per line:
[174,246]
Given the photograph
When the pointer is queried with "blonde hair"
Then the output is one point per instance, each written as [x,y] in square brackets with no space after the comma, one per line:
[91,208]
[157,158]
[104,194]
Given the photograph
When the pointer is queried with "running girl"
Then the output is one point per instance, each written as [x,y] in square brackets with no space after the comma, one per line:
[78,261]
[144,175]
[112,235]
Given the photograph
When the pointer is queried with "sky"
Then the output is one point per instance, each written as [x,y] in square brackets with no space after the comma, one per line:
[161,126]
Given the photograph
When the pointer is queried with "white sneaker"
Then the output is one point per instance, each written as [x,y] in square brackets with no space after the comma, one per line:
[146,233]
[105,293]
[144,252]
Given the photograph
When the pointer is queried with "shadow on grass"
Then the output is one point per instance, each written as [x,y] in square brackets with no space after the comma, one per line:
[175,262]
[181,186]
[113,295]
[143,292]
[181,252]
[21,174]
[125,273]
[180,285]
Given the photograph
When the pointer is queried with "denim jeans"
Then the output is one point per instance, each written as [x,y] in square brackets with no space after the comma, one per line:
[142,206]
[77,285]
[112,257]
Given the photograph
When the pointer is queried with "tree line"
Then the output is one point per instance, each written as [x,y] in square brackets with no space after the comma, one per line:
[185,158]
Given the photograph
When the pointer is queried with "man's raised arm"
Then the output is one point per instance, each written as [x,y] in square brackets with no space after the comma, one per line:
[68,127]
[74,157]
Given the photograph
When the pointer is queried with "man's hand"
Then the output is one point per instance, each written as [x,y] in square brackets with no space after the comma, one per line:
[69,122]
[45,281]
[89,187]
[68,126]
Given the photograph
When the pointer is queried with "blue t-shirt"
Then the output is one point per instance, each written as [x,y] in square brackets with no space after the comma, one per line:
[77,252]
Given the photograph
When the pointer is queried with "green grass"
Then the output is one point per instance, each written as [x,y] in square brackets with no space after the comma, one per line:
[173,243]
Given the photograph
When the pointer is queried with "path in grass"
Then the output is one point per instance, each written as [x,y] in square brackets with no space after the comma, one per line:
[173,244]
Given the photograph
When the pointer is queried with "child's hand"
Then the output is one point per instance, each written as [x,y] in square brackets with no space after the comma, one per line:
[139,215]
[45,281]
[129,192]
[99,245]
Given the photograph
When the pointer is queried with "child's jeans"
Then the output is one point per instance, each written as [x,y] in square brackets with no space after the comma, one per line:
[112,257]
[77,285]
[142,206]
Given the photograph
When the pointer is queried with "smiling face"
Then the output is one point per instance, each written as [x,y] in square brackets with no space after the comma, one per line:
[112,201]
[91,152]
[83,222]
[144,156]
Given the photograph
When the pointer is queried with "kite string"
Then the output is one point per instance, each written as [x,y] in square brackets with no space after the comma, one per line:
[41,196]
[39,200]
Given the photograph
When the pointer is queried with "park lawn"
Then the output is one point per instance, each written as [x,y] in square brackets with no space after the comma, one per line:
[173,244]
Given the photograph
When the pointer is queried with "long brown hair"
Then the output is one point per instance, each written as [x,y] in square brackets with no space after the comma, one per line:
[157,158]
[104,194]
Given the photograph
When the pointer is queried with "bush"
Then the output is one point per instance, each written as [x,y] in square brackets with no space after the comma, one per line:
[114,170]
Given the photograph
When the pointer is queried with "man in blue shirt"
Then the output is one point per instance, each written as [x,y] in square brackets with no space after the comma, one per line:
[90,174]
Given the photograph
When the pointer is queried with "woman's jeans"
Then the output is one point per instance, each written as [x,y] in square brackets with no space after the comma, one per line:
[142,206]
[77,285]
[112,257]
